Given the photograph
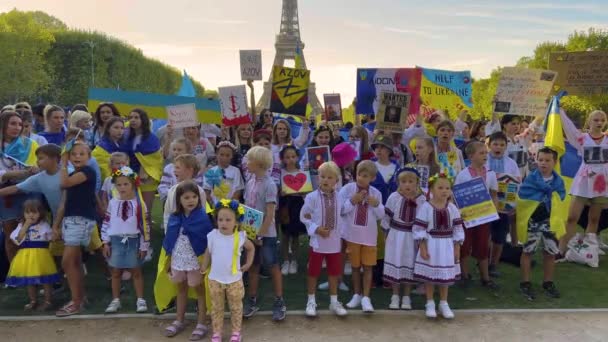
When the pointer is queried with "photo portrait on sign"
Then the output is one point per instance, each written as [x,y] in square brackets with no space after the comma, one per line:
[392,113]
[333,107]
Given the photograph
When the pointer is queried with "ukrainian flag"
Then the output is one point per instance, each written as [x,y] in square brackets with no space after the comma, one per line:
[298,56]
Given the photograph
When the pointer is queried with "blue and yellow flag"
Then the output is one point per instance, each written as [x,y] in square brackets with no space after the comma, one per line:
[298,56]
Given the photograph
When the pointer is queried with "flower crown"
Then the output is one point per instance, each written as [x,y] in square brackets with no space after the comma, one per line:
[440,175]
[228,144]
[233,205]
[408,169]
[128,172]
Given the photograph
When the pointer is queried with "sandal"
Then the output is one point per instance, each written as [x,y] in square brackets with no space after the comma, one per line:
[199,332]
[236,337]
[174,328]
[216,338]
[68,310]
[30,306]
[45,306]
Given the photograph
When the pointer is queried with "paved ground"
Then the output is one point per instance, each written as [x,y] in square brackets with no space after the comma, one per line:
[495,327]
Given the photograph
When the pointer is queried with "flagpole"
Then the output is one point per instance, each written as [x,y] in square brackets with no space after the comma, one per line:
[252,99]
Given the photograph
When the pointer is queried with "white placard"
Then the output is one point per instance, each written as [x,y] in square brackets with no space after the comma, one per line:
[233,102]
[523,91]
[183,115]
[251,65]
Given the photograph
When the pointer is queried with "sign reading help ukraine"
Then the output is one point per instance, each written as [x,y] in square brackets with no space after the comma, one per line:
[289,90]
[449,91]
[371,83]
[474,203]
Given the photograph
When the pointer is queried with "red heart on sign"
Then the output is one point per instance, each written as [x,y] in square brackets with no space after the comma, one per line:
[295,182]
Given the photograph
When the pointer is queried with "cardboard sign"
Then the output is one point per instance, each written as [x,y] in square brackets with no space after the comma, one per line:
[233,102]
[446,90]
[333,107]
[523,91]
[580,73]
[251,65]
[252,222]
[295,182]
[289,90]
[474,203]
[182,116]
[393,112]
[508,188]
[317,156]
[373,82]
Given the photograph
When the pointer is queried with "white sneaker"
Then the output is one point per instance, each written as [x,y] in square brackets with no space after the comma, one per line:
[311,309]
[354,302]
[293,267]
[114,306]
[394,305]
[343,287]
[285,268]
[445,310]
[366,305]
[430,310]
[338,309]
[141,305]
[406,303]
[323,286]
[348,269]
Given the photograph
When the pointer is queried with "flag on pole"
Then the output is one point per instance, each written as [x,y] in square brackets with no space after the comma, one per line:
[298,57]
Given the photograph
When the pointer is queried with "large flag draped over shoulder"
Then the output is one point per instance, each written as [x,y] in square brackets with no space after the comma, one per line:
[566,168]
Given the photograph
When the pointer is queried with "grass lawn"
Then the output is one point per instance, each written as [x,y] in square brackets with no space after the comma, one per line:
[580,286]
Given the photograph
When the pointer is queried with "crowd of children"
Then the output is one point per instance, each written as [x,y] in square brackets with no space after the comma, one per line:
[383,208]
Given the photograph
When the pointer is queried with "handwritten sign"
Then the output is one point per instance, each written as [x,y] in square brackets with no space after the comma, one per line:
[446,90]
[251,65]
[295,182]
[182,116]
[508,187]
[233,102]
[316,156]
[289,90]
[252,222]
[523,91]
[393,111]
[580,73]
[474,202]
[333,107]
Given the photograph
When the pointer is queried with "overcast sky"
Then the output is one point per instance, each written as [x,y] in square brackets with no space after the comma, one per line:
[203,36]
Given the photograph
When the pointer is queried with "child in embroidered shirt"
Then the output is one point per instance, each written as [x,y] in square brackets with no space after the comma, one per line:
[185,242]
[108,191]
[223,181]
[225,246]
[448,155]
[361,206]
[502,165]
[261,194]
[477,239]
[289,213]
[126,236]
[400,251]
[323,221]
[438,229]
[33,264]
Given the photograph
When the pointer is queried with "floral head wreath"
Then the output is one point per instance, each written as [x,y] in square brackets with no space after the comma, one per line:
[226,144]
[128,172]
[233,205]
[440,175]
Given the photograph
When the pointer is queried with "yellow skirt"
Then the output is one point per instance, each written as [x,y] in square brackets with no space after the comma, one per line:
[150,186]
[32,266]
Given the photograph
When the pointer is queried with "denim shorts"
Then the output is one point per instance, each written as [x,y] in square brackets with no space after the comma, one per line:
[77,230]
[267,254]
[124,252]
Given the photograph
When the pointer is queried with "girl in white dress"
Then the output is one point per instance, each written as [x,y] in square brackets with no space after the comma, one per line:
[400,251]
[439,230]
[590,185]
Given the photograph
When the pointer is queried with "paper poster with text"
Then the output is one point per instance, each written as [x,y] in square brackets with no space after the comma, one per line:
[523,91]
[233,102]
[289,90]
[393,112]
[580,73]
[251,65]
[445,90]
[183,115]
[508,187]
[474,203]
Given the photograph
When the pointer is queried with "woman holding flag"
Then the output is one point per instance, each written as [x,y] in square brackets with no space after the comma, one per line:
[17,162]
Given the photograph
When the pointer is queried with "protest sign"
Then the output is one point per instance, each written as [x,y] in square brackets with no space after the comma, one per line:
[580,73]
[298,182]
[523,91]
[252,222]
[474,203]
[233,102]
[183,115]
[392,114]
[289,90]
[251,65]
[317,156]
[445,90]
[333,107]
[508,187]
[373,82]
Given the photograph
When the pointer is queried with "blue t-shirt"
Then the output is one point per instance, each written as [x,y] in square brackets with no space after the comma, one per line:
[46,184]
[54,138]
[80,199]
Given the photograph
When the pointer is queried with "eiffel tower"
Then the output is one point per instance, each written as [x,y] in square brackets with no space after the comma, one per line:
[285,47]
